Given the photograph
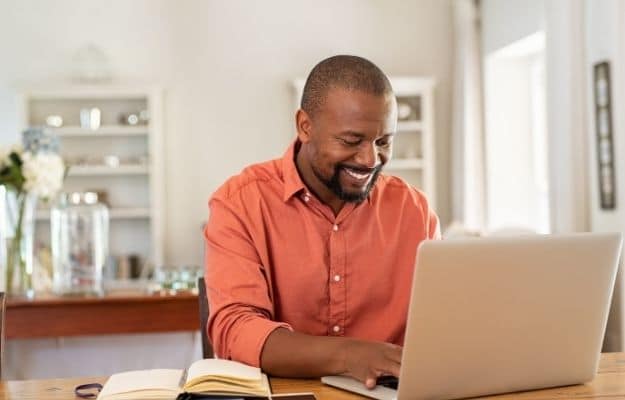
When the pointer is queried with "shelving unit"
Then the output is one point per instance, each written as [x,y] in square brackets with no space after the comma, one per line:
[133,183]
[114,213]
[95,170]
[413,143]
[108,130]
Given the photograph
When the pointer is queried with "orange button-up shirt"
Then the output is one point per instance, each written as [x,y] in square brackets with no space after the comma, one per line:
[278,257]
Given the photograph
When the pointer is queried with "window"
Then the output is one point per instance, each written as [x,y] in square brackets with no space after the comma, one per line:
[516,139]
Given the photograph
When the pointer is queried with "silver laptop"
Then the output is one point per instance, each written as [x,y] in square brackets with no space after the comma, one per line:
[503,314]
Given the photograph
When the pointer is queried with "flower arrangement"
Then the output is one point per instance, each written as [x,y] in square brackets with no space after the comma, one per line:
[27,173]
[22,171]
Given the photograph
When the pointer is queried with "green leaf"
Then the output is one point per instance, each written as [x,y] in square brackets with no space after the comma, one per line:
[16,159]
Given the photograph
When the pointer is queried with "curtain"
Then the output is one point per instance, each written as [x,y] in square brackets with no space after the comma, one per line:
[468,170]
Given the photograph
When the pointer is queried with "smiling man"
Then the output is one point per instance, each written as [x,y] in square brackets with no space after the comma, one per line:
[310,257]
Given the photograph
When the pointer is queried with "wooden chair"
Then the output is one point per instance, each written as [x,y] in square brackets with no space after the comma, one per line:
[2,308]
[207,348]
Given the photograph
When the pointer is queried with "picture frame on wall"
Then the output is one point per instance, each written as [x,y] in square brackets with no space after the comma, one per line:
[603,133]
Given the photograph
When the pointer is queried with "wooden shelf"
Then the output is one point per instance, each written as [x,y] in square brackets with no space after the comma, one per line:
[114,213]
[56,316]
[405,163]
[103,131]
[98,170]
[86,91]
[129,213]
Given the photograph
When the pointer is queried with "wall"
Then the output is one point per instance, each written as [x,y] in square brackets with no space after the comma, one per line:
[605,40]
[226,67]
[505,22]
[100,355]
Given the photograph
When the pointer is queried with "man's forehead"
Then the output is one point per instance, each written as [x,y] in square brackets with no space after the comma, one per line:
[343,90]
[345,98]
[348,110]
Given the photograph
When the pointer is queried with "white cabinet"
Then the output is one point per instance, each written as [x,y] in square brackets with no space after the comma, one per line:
[122,161]
[413,149]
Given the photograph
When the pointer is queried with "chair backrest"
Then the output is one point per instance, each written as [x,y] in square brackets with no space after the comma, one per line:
[2,308]
[207,348]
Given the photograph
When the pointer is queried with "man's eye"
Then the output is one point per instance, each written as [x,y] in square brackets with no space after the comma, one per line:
[383,141]
[351,142]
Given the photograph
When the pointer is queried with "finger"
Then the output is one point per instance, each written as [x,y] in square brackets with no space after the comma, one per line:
[389,368]
[370,382]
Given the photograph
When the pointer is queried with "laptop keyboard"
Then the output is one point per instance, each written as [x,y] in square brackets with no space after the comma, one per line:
[388,381]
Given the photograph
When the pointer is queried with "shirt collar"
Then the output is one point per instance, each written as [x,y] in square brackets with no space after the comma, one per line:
[292,182]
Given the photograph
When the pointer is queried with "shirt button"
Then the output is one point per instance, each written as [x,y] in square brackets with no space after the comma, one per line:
[337,278]
[306,198]
[336,329]
[335,228]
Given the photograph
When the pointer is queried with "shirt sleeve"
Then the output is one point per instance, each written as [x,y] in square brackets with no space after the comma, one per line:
[431,223]
[434,226]
[241,310]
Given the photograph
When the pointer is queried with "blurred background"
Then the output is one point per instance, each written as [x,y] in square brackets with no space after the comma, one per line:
[511,122]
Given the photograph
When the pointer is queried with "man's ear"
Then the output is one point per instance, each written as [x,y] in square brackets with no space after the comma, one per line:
[303,124]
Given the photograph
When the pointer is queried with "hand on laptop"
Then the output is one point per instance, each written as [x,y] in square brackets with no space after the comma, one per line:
[366,361]
[297,355]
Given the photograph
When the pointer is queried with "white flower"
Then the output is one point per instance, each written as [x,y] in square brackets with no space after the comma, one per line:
[43,173]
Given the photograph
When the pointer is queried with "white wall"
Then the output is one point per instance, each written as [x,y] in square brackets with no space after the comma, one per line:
[100,355]
[505,22]
[226,67]
[605,40]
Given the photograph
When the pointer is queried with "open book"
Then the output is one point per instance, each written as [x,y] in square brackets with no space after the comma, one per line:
[210,376]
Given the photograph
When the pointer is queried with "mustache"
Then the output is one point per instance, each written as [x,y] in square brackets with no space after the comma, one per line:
[360,169]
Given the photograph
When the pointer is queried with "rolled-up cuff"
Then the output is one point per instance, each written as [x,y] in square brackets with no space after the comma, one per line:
[250,340]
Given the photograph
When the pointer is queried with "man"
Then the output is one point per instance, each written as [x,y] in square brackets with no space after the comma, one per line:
[310,257]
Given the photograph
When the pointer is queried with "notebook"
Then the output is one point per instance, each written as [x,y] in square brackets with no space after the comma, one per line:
[208,376]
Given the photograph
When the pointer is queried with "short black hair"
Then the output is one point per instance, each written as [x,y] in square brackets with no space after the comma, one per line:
[342,71]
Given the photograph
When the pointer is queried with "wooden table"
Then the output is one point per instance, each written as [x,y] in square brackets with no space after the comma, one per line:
[609,384]
[55,316]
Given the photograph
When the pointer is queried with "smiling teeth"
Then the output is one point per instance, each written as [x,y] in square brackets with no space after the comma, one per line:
[357,175]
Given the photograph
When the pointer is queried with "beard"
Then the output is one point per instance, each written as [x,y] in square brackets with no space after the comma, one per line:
[333,183]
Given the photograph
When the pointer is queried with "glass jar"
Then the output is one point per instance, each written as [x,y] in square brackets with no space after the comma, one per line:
[80,236]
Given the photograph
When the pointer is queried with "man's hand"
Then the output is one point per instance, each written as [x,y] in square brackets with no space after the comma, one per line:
[296,355]
[366,361]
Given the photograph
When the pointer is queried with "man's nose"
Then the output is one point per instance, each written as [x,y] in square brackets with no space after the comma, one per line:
[368,155]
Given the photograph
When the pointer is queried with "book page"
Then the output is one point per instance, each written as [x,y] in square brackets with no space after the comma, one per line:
[223,368]
[151,379]
[229,386]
